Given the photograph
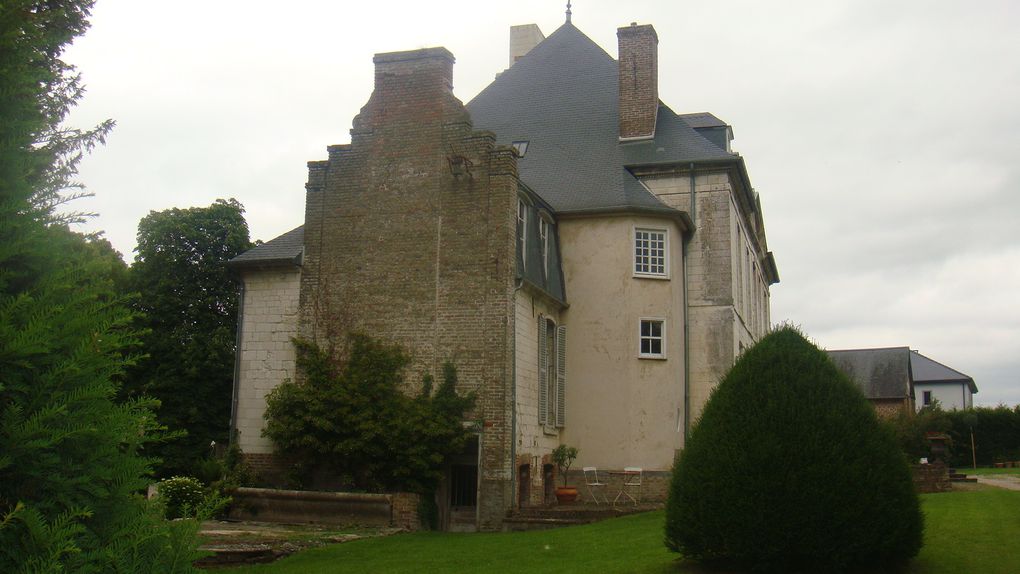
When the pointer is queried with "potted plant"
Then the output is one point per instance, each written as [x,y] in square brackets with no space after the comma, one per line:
[564,456]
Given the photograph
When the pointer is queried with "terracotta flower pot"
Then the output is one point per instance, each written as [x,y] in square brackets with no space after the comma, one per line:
[566,494]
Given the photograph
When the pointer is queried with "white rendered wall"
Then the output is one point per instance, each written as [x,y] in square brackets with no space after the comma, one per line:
[267,354]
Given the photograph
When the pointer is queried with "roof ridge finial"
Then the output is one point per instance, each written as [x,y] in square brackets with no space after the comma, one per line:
[568,11]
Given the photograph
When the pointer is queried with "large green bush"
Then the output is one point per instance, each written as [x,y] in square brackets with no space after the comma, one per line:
[351,419]
[789,470]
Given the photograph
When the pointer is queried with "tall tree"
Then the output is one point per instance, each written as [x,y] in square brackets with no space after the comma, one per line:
[189,307]
[69,465]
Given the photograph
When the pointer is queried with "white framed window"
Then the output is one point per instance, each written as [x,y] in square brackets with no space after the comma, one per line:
[651,253]
[522,231]
[652,338]
[543,237]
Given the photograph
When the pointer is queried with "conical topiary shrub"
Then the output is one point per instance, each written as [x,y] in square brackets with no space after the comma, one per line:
[789,470]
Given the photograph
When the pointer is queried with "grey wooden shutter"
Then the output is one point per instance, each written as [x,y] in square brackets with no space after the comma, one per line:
[561,376]
[543,373]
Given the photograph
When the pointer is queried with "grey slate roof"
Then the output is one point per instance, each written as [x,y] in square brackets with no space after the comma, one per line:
[927,370]
[879,373]
[562,97]
[702,120]
[284,250]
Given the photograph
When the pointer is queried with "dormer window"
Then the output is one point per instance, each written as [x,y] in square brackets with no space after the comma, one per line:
[520,147]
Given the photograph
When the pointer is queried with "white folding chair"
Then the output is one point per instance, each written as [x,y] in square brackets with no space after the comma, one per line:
[631,487]
[591,480]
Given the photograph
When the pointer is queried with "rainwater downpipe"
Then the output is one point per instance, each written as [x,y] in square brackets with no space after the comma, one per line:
[687,309]
[514,497]
[237,364]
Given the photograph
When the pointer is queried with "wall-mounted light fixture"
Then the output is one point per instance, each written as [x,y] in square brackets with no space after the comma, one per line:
[460,165]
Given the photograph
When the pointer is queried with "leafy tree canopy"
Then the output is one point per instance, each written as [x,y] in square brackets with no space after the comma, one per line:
[188,304]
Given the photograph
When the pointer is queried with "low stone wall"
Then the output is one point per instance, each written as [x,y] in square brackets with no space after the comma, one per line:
[932,477]
[344,508]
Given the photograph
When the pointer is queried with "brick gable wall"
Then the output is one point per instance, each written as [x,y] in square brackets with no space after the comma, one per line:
[409,237]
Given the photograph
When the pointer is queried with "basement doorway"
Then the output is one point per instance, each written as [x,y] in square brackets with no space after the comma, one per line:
[461,496]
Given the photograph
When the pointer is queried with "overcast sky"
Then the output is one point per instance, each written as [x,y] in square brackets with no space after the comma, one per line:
[883,137]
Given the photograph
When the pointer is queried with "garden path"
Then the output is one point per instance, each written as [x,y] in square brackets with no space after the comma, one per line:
[1002,481]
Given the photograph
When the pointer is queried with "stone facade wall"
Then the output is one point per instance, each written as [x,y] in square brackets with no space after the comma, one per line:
[267,354]
[728,300]
[409,238]
[622,409]
[534,441]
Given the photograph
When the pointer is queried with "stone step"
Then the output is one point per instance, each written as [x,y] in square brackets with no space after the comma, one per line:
[237,554]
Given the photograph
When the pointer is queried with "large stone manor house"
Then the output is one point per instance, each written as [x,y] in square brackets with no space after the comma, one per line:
[590,260]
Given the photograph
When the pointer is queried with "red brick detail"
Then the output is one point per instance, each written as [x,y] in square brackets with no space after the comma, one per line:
[404,510]
[639,80]
[930,478]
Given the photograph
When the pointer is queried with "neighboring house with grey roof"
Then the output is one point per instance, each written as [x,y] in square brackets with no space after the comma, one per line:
[883,375]
[565,198]
[897,379]
[934,381]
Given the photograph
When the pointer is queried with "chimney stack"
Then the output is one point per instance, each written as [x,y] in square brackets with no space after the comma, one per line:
[522,39]
[639,81]
[428,65]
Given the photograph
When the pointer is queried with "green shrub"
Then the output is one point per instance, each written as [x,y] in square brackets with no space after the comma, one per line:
[183,495]
[789,470]
[351,419]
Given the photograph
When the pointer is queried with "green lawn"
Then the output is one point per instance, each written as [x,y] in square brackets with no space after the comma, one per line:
[971,531]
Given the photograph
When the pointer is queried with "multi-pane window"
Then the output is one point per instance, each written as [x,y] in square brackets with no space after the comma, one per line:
[652,339]
[650,252]
[522,231]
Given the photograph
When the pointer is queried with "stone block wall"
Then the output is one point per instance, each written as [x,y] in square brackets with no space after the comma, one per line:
[266,354]
[534,441]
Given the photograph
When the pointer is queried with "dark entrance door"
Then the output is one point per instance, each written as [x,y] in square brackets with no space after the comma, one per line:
[462,490]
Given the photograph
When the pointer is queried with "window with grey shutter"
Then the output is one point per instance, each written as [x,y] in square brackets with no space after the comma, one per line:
[561,376]
[543,373]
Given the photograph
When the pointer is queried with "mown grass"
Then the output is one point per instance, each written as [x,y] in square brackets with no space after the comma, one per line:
[969,531]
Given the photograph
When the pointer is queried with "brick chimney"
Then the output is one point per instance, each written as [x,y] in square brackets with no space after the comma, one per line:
[416,85]
[639,80]
[426,64]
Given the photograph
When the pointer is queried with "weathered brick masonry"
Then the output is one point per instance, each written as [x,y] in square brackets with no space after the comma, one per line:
[409,237]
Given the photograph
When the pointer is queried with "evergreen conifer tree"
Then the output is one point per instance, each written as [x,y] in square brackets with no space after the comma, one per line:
[70,473]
